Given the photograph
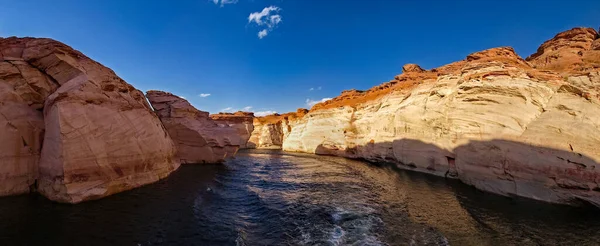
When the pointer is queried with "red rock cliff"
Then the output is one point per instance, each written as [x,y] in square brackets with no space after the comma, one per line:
[571,52]
[73,125]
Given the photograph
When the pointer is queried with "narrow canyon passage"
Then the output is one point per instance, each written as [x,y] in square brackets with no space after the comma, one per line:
[266,197]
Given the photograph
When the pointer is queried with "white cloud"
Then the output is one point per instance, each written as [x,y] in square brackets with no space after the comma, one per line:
[264,113]
[262,33]
[226,109]
[184,98]
[310,102]
[223,2]
[274,20]
[267,17]
[259,17]
[311,89]
[204,95]
[247,108]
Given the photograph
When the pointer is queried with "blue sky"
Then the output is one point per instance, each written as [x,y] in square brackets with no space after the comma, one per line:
[195,47]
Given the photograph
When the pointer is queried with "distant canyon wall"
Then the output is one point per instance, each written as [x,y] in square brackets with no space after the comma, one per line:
[270,131]
[242,122]
[503,124]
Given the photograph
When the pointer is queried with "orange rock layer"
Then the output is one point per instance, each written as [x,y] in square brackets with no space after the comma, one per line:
[239,117]
[275,118]
[503,124]
[569,53]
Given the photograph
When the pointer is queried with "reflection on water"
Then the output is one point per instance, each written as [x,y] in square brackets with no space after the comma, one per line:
[273,198]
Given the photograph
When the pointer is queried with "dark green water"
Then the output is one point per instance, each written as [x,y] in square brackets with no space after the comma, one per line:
[273,198]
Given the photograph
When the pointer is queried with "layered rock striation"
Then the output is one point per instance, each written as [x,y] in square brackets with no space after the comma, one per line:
[506,125]
[199,139]
[71,128]
[242,122]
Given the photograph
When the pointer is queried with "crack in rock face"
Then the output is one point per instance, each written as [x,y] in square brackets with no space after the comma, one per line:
[74,140]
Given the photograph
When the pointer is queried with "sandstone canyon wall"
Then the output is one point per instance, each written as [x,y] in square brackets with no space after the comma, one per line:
[270,131]
[242,122]
[199,139]
[72,127]
[503,124]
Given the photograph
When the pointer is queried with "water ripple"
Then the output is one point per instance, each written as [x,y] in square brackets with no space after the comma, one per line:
[274,198]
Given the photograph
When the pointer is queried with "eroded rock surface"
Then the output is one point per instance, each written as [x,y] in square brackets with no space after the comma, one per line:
[23,90]
[569,52]
[494,120]
[198,138]
[242,122]
[99,135]
[270,131]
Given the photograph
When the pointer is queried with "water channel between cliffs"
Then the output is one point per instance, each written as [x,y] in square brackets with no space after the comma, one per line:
[267,197]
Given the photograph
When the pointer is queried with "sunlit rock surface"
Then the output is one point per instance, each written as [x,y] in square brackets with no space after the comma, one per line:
[269,131]
[73,126]
[494,120]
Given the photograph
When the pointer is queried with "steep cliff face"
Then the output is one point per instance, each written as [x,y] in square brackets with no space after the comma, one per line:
[73,125]
[242,122]
[198,138]
[23,90]
[494,121]
[270,131]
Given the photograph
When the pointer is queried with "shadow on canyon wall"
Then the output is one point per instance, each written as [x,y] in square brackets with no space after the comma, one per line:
[464,214]
[503,167]
[468,216]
